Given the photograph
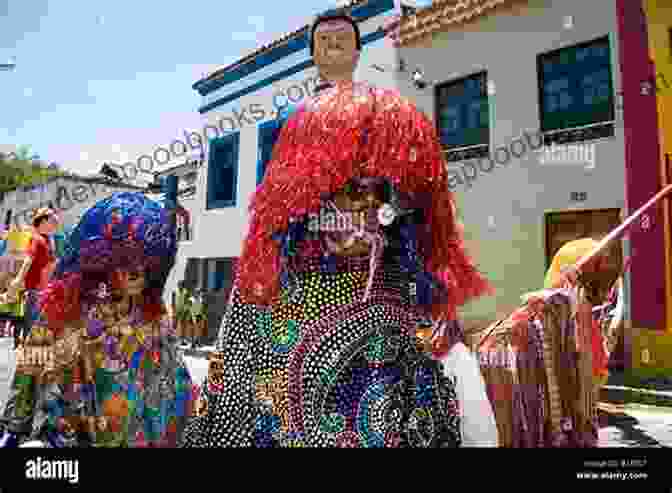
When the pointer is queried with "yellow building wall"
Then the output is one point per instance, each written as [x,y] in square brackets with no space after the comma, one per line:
[652,350]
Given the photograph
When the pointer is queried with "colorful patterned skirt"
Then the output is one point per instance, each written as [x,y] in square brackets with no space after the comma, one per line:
[325,369]
[142,401]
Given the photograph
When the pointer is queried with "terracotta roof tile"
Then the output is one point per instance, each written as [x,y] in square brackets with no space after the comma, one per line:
[440,15]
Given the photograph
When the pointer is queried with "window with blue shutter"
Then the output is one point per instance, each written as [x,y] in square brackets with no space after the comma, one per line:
[463,112]
[268,135]
[223,171]
[219,273]
[212,275]
[575,86]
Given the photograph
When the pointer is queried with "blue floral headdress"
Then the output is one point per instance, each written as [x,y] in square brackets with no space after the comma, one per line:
[126,230]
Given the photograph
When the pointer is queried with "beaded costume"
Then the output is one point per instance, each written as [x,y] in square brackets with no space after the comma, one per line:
[318,348]
[112,376]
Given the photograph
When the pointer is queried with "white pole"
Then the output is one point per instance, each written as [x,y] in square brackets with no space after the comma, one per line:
[7,370]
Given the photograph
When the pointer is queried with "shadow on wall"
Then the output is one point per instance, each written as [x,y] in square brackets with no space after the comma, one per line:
[513,264]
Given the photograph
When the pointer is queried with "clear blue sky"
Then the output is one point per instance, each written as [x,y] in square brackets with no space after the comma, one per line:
[100,81]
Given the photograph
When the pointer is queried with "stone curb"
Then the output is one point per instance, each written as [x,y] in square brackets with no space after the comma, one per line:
[197,353]
[626,395]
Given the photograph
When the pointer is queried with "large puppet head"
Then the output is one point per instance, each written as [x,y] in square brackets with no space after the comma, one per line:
[349,134]
[335,44]
[125,242]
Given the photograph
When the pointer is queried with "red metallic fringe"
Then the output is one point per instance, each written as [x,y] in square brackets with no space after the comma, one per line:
[355,130]
[60,301]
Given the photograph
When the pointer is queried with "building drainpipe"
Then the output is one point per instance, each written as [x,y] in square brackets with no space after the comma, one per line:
[627,310]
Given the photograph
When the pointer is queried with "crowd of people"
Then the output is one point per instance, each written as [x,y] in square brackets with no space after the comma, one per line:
[331,338]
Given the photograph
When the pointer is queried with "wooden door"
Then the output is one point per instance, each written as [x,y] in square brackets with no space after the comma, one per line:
[565,226]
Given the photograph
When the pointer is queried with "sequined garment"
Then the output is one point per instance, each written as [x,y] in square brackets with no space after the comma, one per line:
[139,398]
[324,369]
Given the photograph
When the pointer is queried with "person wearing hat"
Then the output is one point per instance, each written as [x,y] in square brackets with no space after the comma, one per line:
[562,272]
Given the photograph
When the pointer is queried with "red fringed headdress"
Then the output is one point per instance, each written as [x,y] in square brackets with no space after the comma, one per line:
[60,301]
[355,131]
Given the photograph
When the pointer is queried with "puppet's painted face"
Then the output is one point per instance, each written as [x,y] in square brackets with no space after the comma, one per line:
[358,201]
[101,424]
[129,282]
[335,46]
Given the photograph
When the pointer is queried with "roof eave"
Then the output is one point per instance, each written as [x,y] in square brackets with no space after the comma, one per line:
[442,15]
[286,38]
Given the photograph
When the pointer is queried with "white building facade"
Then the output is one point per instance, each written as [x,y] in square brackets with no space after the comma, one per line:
[187,175]
[534,85]
[241,104]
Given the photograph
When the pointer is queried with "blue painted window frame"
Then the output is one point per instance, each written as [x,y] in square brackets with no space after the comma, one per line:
[268,136]
[467,99]
[231,141]
[562,76]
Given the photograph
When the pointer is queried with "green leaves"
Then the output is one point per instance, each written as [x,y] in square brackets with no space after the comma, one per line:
[18,171]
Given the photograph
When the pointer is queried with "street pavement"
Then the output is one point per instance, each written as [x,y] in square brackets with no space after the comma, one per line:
[198,368]
[621,426]
[7,368]
[635,426]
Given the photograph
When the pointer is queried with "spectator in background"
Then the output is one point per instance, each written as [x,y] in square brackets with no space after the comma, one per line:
[183,310]
[39,264]
[198,317]
[3,239]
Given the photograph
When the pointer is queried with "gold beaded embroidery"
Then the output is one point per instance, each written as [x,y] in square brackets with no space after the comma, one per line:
[216,369]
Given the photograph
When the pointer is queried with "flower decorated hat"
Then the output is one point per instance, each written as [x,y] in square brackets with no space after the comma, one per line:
[126,231]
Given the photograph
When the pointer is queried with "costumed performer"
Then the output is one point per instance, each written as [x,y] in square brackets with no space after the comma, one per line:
[106,371]
[561,274]
[353,250]
[544,363]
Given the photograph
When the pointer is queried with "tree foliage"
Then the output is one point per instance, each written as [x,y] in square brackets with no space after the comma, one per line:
[23,169]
